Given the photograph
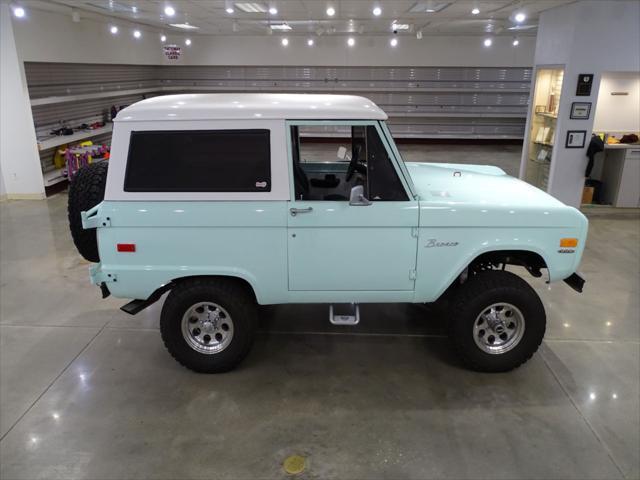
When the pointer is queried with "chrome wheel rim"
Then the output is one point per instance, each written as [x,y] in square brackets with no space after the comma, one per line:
[498,328]
[207,327]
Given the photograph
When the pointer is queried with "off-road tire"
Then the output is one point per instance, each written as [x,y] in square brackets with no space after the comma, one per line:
[234,297]
[86,190]
[473,297]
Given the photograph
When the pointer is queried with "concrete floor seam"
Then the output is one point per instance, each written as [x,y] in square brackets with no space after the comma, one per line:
[52,382]
[584,419]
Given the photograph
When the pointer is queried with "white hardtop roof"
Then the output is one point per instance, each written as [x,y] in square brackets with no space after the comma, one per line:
[226,106]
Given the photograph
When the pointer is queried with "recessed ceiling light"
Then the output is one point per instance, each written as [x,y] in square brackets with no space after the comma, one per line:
[400,26]
[163,38]
[134,9]
[331,11]
[273,11]
[252,7]
[351,41]
[394,42]
[169,11]
[285,42]
[515,42]
[488,42]
[187,42]
[113,29]
[19,12]
[431,10]
[310,42]
[184,26]
[137,33]
[475,11]
[377,11]
[280,26]
[229,10]
[520,17]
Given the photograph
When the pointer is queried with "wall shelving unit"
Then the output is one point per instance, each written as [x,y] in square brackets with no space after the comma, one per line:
[422,102]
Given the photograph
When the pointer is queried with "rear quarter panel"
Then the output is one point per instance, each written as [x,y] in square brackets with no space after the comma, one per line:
[182,239]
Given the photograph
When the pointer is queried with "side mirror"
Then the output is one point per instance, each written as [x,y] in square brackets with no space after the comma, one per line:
[357,198]
[342,152]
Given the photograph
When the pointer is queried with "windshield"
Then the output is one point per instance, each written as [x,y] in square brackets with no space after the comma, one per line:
[396,152]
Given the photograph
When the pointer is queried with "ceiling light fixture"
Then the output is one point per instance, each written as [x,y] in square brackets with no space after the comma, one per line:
[137,33]
[520,17]
[19,12]
[488,42]
[331,11]
[475,11]
[280,26]
[394,42]
[400,26]
[134,9]
[169,11]
[310,42]
[229,10]
[285,42]
[184,26]
[273,11]
[515,42]
[377,11]
[163,38]
[113,30]
[187,42]
[351,41]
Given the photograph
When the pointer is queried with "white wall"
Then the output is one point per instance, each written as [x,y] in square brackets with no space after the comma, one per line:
[53,37]
[584,37]
[618,113]
[19,160]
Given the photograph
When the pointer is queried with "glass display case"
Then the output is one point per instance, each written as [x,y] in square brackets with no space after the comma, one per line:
[542,137]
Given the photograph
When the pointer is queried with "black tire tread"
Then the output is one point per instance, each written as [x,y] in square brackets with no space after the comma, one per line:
[244,307]
[86,190]
[494,280]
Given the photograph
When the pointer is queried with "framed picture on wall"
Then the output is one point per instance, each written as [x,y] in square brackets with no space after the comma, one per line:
[575,138]
[580,110]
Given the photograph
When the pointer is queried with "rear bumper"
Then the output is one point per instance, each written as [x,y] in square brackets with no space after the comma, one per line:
[575,281]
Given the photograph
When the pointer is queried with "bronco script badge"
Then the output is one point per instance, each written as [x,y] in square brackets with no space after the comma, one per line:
[432,242]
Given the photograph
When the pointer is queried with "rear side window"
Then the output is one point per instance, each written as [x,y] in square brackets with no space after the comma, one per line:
[199,161]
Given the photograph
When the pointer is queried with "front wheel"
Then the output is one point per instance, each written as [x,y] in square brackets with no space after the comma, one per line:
[208,325]
[497,321]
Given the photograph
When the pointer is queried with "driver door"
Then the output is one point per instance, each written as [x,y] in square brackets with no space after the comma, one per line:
[335,244]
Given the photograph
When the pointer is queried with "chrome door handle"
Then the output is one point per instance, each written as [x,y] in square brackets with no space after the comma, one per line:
[295,211]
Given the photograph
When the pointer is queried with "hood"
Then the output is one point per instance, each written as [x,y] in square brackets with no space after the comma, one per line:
[488,194]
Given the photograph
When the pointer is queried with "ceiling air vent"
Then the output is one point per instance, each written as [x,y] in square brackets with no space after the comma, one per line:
[250,7]
[428,6]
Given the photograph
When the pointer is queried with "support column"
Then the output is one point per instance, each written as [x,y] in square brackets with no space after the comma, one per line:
[20,170]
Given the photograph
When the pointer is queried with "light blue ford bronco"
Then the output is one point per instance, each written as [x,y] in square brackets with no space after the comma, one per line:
[231,201]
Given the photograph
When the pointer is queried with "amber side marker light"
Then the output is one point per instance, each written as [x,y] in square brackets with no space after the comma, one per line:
[568,242]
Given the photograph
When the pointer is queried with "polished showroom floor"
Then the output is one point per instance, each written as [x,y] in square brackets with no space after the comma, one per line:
[87,391]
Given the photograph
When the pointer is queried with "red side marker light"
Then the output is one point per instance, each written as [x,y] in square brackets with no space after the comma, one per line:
[126,247]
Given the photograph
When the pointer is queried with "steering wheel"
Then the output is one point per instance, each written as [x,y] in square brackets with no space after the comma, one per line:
[353,164]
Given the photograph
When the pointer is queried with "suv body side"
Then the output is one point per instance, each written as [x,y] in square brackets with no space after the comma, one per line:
[408,251]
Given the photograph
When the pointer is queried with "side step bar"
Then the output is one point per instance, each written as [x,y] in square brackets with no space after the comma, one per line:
[136,306]
[575,281]
[344,314]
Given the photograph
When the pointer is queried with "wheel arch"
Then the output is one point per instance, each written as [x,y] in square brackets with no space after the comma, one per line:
[238,279]
[529,258]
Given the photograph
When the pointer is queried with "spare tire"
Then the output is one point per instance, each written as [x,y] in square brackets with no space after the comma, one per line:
[86,190]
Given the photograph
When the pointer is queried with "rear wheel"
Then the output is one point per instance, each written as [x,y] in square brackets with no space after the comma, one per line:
[208,325]
[497,321]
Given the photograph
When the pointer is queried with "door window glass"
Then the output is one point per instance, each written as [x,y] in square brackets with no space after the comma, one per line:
[329,160]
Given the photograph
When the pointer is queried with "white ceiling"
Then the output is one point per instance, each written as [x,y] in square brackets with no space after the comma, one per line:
[309,17]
